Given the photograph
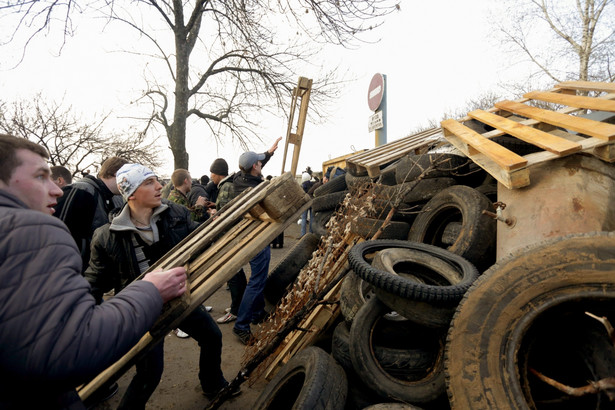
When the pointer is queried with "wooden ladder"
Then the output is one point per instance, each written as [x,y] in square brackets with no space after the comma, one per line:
[301,92]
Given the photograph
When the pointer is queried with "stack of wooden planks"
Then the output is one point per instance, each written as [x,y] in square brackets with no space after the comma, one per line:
[556,132]
[371,161]
[213,253]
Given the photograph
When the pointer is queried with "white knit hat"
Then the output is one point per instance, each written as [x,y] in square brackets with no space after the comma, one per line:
[305,177]
[130,177]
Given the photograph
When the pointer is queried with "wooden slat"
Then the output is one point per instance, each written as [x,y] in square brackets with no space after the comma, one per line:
[500,155]
[587,86]
[573,100]
[510,179]
[530,135]
[585,126]
[371,160]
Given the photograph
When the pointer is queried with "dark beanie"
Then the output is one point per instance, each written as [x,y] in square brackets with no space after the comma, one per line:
[219,167]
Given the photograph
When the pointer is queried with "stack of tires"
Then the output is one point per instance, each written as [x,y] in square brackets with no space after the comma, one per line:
[440,201]
[399,298]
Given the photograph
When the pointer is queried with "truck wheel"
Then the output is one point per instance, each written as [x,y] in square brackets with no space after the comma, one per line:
[421,387]
[422,268]
[367,227]
[399,362]
[353,294]
[334,185]
[320,221]
[310,380]
[459,203]
[328,202]
[516,315]
[289,267]
[411,289]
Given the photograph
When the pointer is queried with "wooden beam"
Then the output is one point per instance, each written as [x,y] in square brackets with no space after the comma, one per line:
[597,129]
[578,101]
[530,135]
[587,86]
[500,155]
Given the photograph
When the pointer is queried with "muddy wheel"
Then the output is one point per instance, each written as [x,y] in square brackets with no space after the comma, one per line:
[320,221]
[336,184]
[520,314]
[310,380]
[353,294]
[459,203]
[426,189]
[328,202]
[289,267]
[408,288]
[367,227]
[399,362]
[421,387]
[421,268]
[353,182]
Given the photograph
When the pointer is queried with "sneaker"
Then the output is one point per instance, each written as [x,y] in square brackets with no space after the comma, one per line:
[236,391]
[228,318]
[227,310]
[209,308]
[181,334]
[244,335]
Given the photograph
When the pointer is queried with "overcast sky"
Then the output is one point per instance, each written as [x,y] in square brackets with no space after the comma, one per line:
[435,55]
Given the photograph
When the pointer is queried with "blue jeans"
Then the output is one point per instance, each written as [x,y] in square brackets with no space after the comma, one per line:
[304,217]
[237,286]
[253,302]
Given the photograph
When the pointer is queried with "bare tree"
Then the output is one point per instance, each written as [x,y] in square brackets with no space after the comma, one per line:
[229,61]
[563,39]
[72,142]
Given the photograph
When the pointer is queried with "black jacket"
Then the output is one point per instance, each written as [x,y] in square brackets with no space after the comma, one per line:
[113,262]
[84,208]
[243,181]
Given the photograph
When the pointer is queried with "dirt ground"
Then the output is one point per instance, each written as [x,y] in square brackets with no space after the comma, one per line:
[179,387]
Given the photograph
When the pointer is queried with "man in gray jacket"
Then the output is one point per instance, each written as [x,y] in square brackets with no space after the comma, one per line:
[53,336]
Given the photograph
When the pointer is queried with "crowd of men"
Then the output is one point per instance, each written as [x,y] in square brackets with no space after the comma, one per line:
[69,256]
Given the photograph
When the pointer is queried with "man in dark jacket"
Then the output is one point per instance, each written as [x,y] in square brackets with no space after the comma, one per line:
[53,337]
[146,228]
[252,307]
[87,205]
[198,189]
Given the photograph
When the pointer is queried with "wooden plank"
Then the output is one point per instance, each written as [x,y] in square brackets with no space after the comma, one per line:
[530,135]
[585,126]
[515,179]
[578,101]
[587,86]
[565,110]
[500,155]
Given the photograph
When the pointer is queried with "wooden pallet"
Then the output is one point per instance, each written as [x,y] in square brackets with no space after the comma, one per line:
[213,254]
[557,133]
[370,161]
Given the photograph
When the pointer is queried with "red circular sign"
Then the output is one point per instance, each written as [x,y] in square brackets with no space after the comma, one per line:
[375,92]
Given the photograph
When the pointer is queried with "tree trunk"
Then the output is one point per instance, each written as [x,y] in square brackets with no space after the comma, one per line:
[177,138]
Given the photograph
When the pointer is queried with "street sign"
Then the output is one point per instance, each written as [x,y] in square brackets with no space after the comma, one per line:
[375,92]
[375,122]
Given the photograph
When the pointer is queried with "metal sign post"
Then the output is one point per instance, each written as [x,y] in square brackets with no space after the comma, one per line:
[376,99]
